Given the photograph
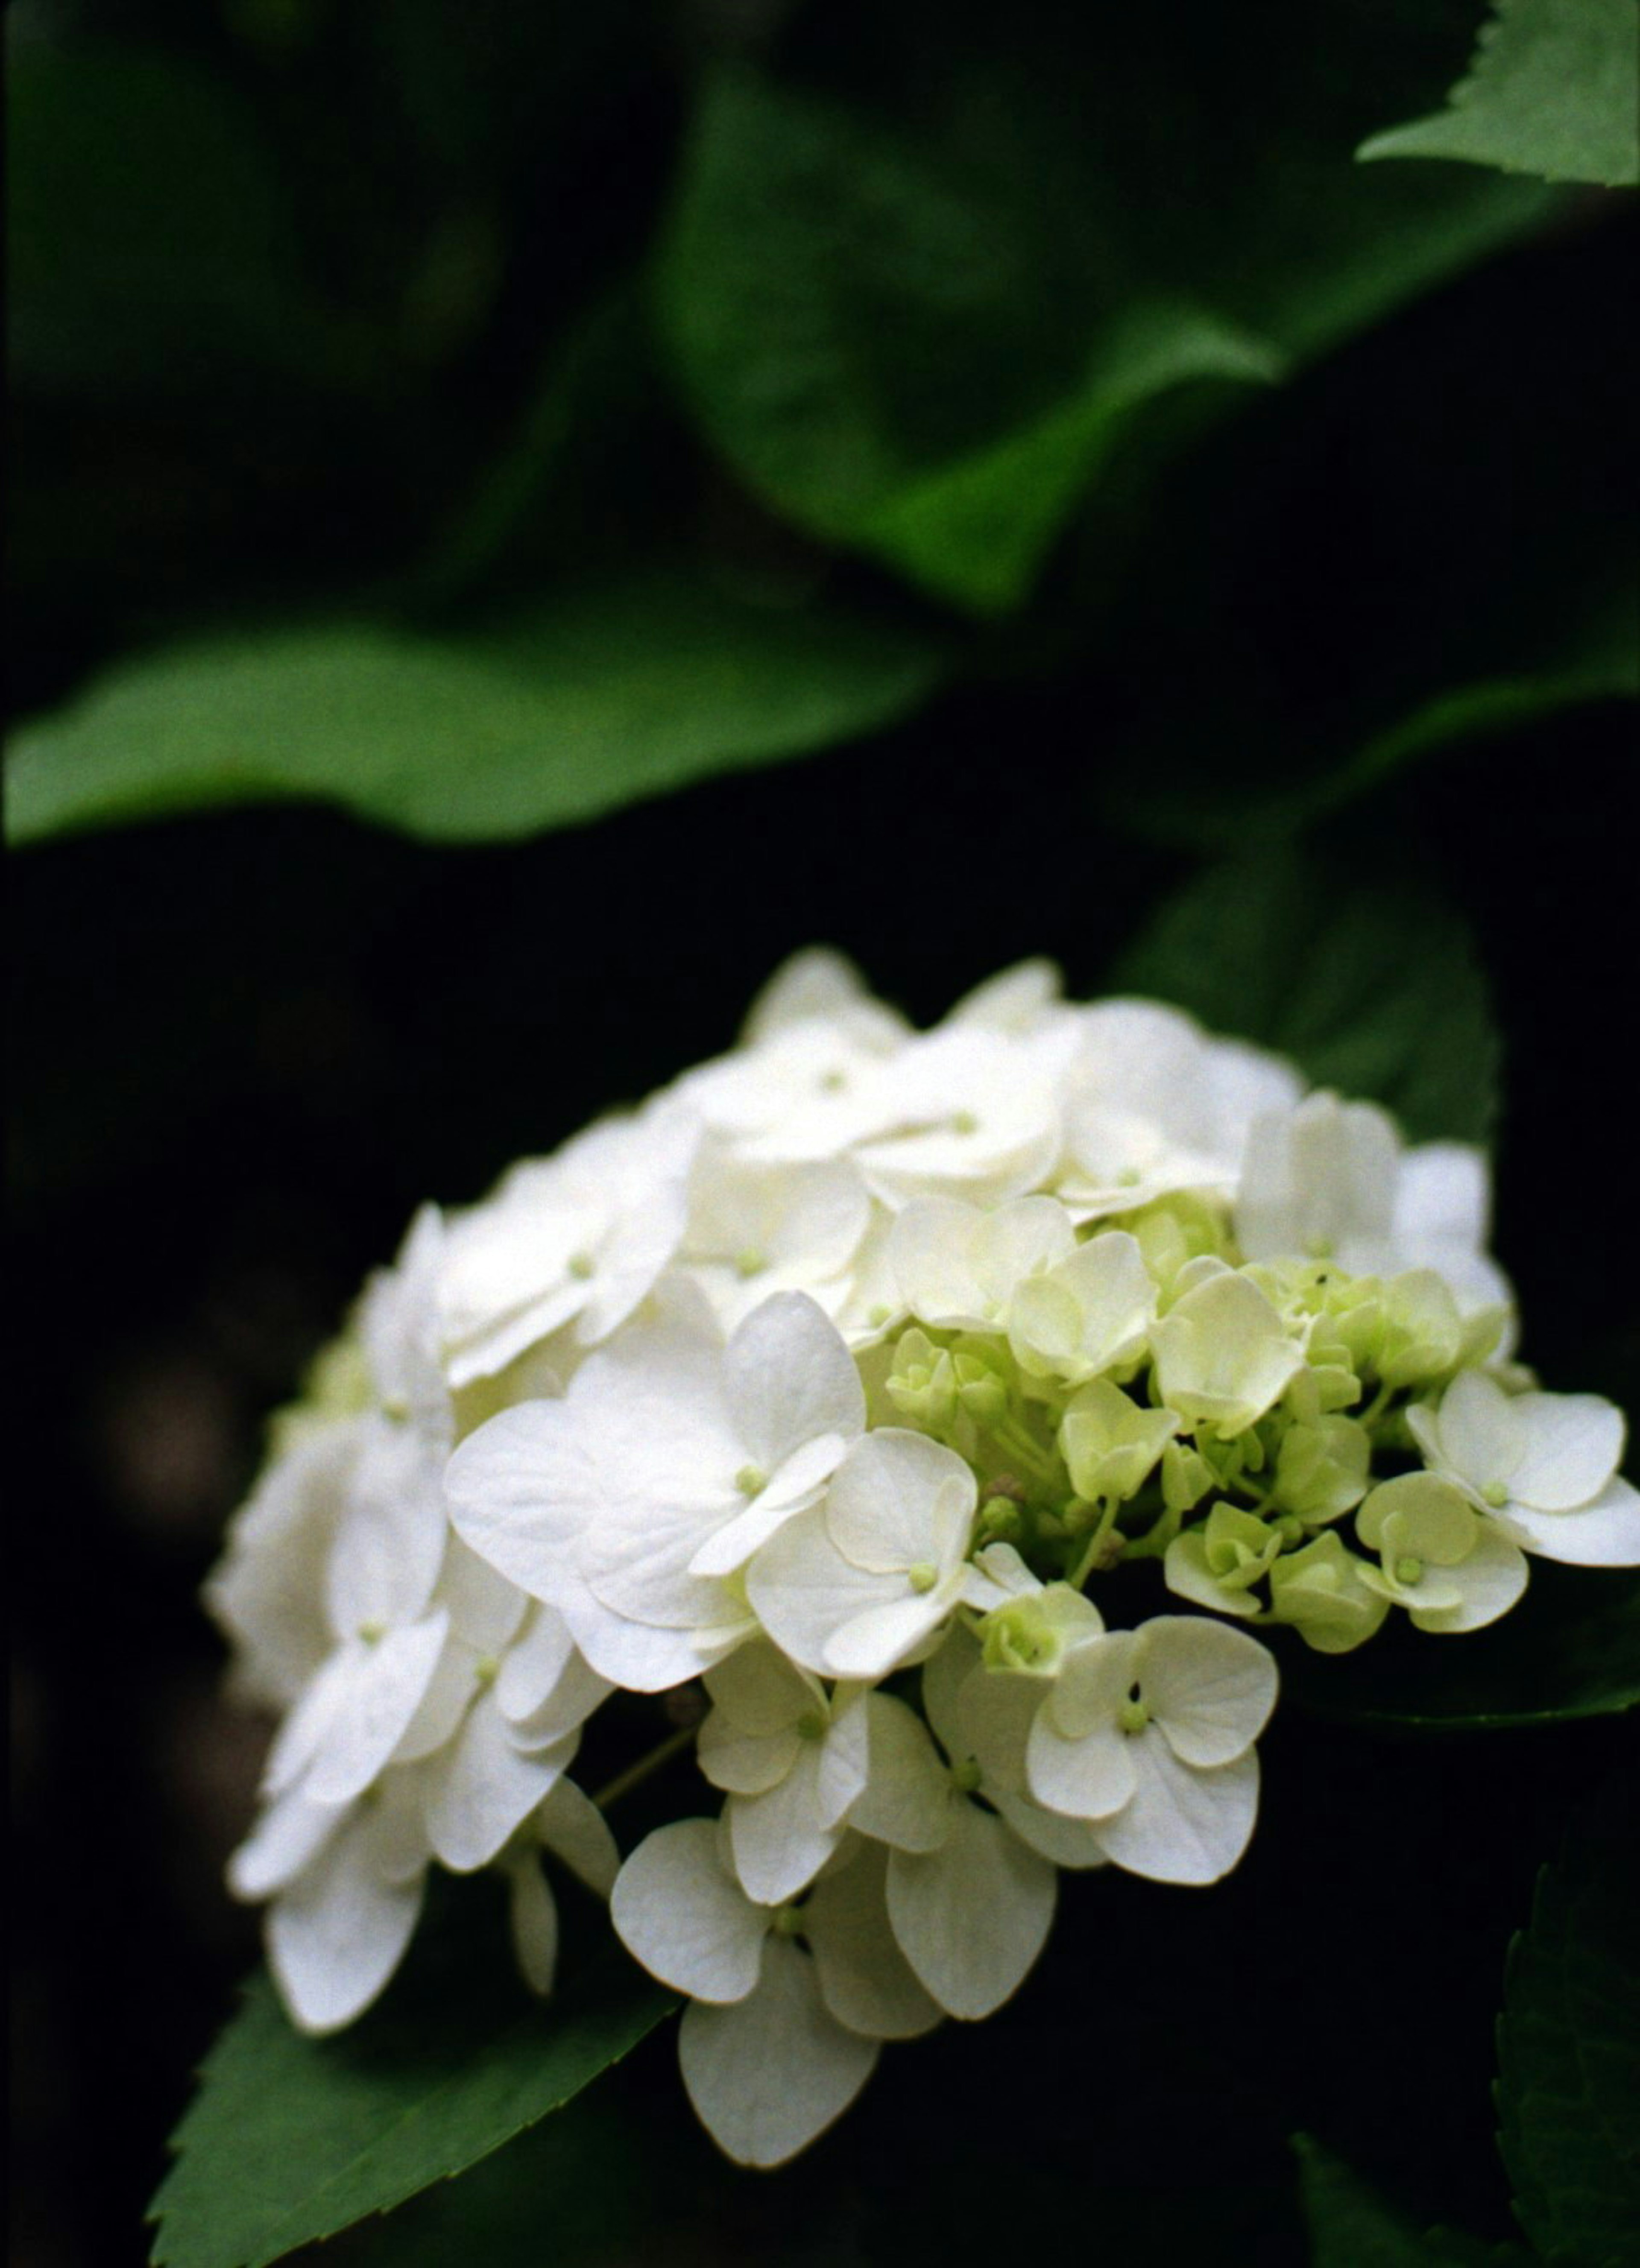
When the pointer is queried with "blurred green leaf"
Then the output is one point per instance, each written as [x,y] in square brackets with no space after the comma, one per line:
[1569,1650]
[572,708]
[290,2138]
[1554,89]
[1351,2227]
[1569,2046]
[147,238]
[926,347]
[1372,988]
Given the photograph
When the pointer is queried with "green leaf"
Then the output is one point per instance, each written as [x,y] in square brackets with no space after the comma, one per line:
[580,705]
[148,240]
[1372,989]
[1350,2226]
[1569,2047]
[1554,89]
[291,2139]
[925,334]
[1569,1650]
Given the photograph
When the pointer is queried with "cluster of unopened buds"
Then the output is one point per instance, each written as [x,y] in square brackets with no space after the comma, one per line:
[838,1387]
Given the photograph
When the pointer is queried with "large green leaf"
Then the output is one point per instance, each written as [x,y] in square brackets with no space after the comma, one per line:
[1569,2047]
[292,2139]
[583,704]
[1569,1650]
[1373,988]
[1554,89]
[1351,2227]
[921,325]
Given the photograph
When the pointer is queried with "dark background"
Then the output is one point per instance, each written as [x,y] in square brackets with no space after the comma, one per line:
[245,1047]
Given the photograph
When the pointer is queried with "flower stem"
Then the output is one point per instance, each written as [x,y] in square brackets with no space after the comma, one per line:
[636,1774]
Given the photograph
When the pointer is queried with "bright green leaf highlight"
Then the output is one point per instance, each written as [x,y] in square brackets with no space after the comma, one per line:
[291,2139]
[1351,2227]
[1554,89]
[1569,2047]
[1569,1650]
[1373,988]
[587,703]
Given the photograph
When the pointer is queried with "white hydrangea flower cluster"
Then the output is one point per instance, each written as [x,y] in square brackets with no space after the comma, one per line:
[848,1376]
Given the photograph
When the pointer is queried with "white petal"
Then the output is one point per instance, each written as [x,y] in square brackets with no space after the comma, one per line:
[1571,1446]
[573,1828]
[484,1607]
[845,1762]
[769,2074]
[1491,1578]
[745,1764]
[532,1911]
[335,1937]
[972,1916]
[1479,1430]
[288,1837]
[760,1691]
[390,1544]
[788,1376]
[1089,1777]
[578,1692]
[679,1912]
[534,1663]
[385,1692]
[888,1633]
[1183,1825]
[864,1979]
[1210,1689]
[520,1491]
[803,1590]
[481,1787]
[1067,1842]
[907,1800]
[886,1505]
[791,1488]
[779,1840]
[930,1251]
[1604,1534]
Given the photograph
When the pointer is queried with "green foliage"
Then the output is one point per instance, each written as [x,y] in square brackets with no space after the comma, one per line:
[1351,2227]
[291,2139]
[551,716]
[1371,986]
[1554,89]
[1569,2047]
[1569,1650]
[121,272]
[919,353]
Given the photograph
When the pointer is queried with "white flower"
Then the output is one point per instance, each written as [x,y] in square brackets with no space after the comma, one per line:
[379,1572]
[569,1825]
[857,1584]
[755,1229]
[1222,1354]
[1331,1180]
[670,1459]
[776,2042]
[1090,1314]
[1542,1467]
[577,1239]
[1450,1569]
[1149,1735]
[347,1882]
[792,1759]
[971,1885]
[960,1267]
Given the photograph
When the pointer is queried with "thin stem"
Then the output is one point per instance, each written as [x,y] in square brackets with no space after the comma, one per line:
[636,1774]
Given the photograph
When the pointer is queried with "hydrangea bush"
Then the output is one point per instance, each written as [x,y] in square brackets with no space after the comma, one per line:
[831,1395]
